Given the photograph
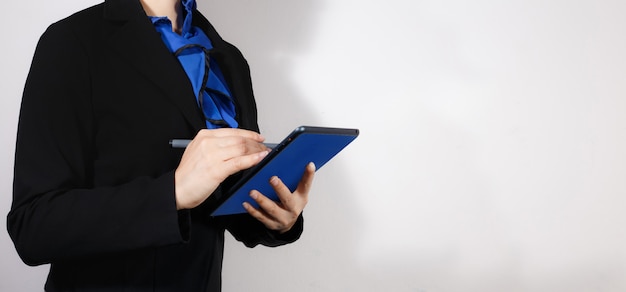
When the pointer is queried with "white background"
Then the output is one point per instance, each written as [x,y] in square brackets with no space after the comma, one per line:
[492,154]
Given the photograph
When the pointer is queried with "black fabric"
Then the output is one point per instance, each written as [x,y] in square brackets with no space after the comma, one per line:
[94,173]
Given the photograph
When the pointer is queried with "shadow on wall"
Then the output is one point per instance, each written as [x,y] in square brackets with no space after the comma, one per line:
[273,35]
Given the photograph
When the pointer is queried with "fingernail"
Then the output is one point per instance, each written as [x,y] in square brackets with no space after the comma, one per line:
[311,166]
[254,195]
[274,180]
[263,153]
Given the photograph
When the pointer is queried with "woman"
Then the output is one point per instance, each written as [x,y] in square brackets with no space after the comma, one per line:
[98,192]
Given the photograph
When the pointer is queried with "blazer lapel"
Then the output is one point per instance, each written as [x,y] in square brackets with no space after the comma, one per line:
[138,42]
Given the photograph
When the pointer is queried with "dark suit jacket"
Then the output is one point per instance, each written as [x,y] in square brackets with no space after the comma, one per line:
[94,173]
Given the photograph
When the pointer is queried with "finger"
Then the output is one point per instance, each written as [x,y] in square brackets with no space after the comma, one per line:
[226,148]
[262,216]
[228,132]
[304,186]
[255,212]
[240,145]
[270,208]
[284,193]
[239,163]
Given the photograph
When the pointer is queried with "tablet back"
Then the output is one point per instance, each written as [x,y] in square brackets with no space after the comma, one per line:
[287,161]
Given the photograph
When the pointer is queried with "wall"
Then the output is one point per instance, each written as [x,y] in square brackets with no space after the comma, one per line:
[492,149]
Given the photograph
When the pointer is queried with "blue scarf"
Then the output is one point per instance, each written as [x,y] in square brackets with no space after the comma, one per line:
[192,48]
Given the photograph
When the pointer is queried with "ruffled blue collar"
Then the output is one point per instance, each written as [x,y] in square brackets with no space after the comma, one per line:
[189,6]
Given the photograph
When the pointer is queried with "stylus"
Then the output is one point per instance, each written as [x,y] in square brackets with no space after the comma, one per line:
[182,143]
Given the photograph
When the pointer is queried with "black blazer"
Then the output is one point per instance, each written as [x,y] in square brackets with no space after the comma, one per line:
[94,173]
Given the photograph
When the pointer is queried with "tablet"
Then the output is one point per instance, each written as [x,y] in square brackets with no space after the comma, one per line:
[287,161]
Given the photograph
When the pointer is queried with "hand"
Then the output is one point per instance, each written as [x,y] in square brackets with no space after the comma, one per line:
[283,215]
[210,158]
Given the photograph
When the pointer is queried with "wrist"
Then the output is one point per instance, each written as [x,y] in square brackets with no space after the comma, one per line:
[179,193]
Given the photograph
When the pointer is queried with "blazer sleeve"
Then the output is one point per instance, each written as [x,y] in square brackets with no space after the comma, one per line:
[252,232]
[57,212]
